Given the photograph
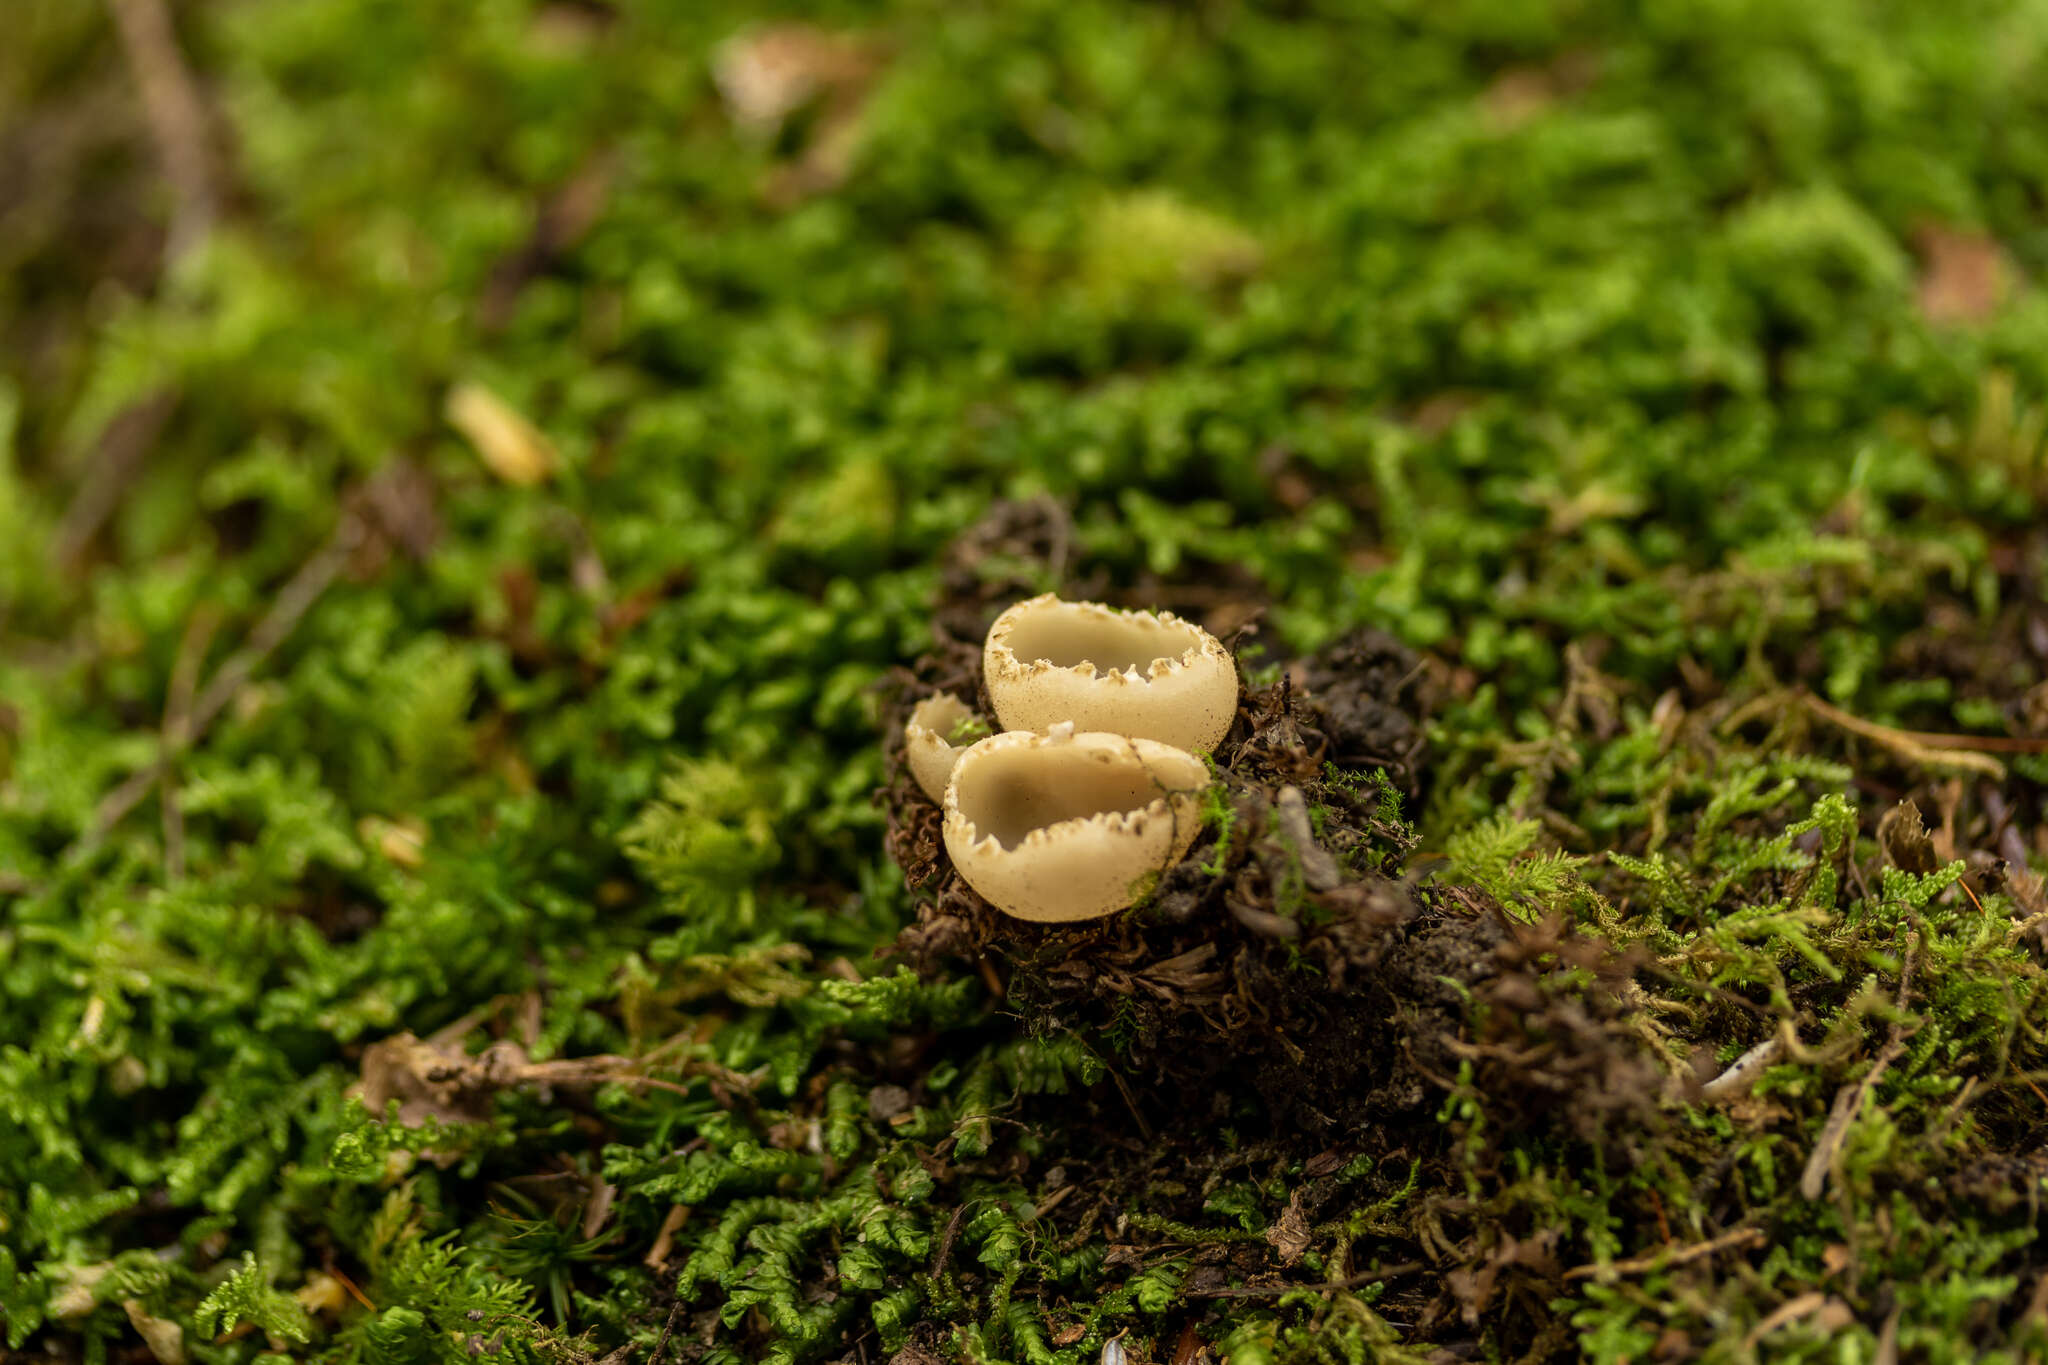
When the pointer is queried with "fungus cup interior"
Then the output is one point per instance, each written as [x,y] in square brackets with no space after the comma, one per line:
[941,715]
[1010,794]
[1069,638]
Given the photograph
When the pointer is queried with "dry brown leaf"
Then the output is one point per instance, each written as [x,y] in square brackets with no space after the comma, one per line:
[165,1339]
[321,1293]
[1964,275]
[595,1214]
[1903,836]
[1290,1234]
[437,1079]
[399,841]
[400,500]
[1327,1162]
[886,1102]
[1515,97]
[73,1295]
[1751,1112]
[513,448]
[770,73]
[430,1082]
[1521,94]
[1789,1311]
[565,217]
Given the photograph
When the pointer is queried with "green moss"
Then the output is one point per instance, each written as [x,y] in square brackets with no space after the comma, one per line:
[1585,348]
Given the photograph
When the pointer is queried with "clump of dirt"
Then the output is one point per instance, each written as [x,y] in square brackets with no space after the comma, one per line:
[1288,963]
[1293,982]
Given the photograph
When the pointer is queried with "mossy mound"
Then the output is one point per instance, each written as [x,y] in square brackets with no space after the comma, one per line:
[469,472]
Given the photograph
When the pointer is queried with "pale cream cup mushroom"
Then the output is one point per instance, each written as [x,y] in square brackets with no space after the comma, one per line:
[1065,826]
[1150,676]
[928,747]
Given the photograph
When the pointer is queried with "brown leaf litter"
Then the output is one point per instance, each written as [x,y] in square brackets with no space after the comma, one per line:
[437,1079]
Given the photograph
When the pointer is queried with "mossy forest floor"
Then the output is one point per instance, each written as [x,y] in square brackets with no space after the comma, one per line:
[476,480]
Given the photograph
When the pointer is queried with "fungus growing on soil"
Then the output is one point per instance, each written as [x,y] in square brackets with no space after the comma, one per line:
[928,746]
[1065,826]
[1138,673]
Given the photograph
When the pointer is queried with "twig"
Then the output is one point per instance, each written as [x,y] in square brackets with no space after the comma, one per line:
[1888,1338]
[665,1236]
[1318,869]
[1053,1200]
[1967,752]
[1849,1099]
[947,1239]
[199,630]
[1743,1071]
[564,219]
[177,118]
[1348,1282]
[292,602]
[661,1342]
[354,1291]
[1928,739]
[1955,1106]
[1790,1311]
[123,445]
[1131,1103]
[1665,1259]
[1848,1103]
[297,597]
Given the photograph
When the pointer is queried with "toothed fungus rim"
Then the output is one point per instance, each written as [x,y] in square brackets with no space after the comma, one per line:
[1150,675]
[1070,826]
[927,747]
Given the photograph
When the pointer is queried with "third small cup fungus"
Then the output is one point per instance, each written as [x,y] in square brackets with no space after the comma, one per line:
[1065,826]
[1137,673]
[927,741]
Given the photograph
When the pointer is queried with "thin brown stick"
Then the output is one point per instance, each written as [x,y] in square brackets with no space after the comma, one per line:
[199,630]
[1321,1286]
[946,1240]
[1744,1070]
[292,602]
[1790,1311]
[1664,1259]
[351,1287]
[177,118]
[665,1236]
[1850,1098]
[1927,748]
[1928,739]
[123,445]
[661,1342]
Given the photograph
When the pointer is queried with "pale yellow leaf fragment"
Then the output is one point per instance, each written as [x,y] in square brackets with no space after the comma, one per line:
[400,841]
[321,1293]
[515,449]
[165,1339]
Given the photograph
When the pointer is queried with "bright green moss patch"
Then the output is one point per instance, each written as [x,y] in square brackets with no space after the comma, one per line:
[1676,380]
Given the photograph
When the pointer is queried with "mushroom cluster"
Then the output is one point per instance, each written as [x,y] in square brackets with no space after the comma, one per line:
[1093,787]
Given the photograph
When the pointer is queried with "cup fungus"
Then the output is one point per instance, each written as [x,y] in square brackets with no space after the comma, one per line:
[1137,673]
[927,741]
[1065,826]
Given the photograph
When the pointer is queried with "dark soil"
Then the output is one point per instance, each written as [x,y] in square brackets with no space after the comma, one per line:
[1319,1003]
